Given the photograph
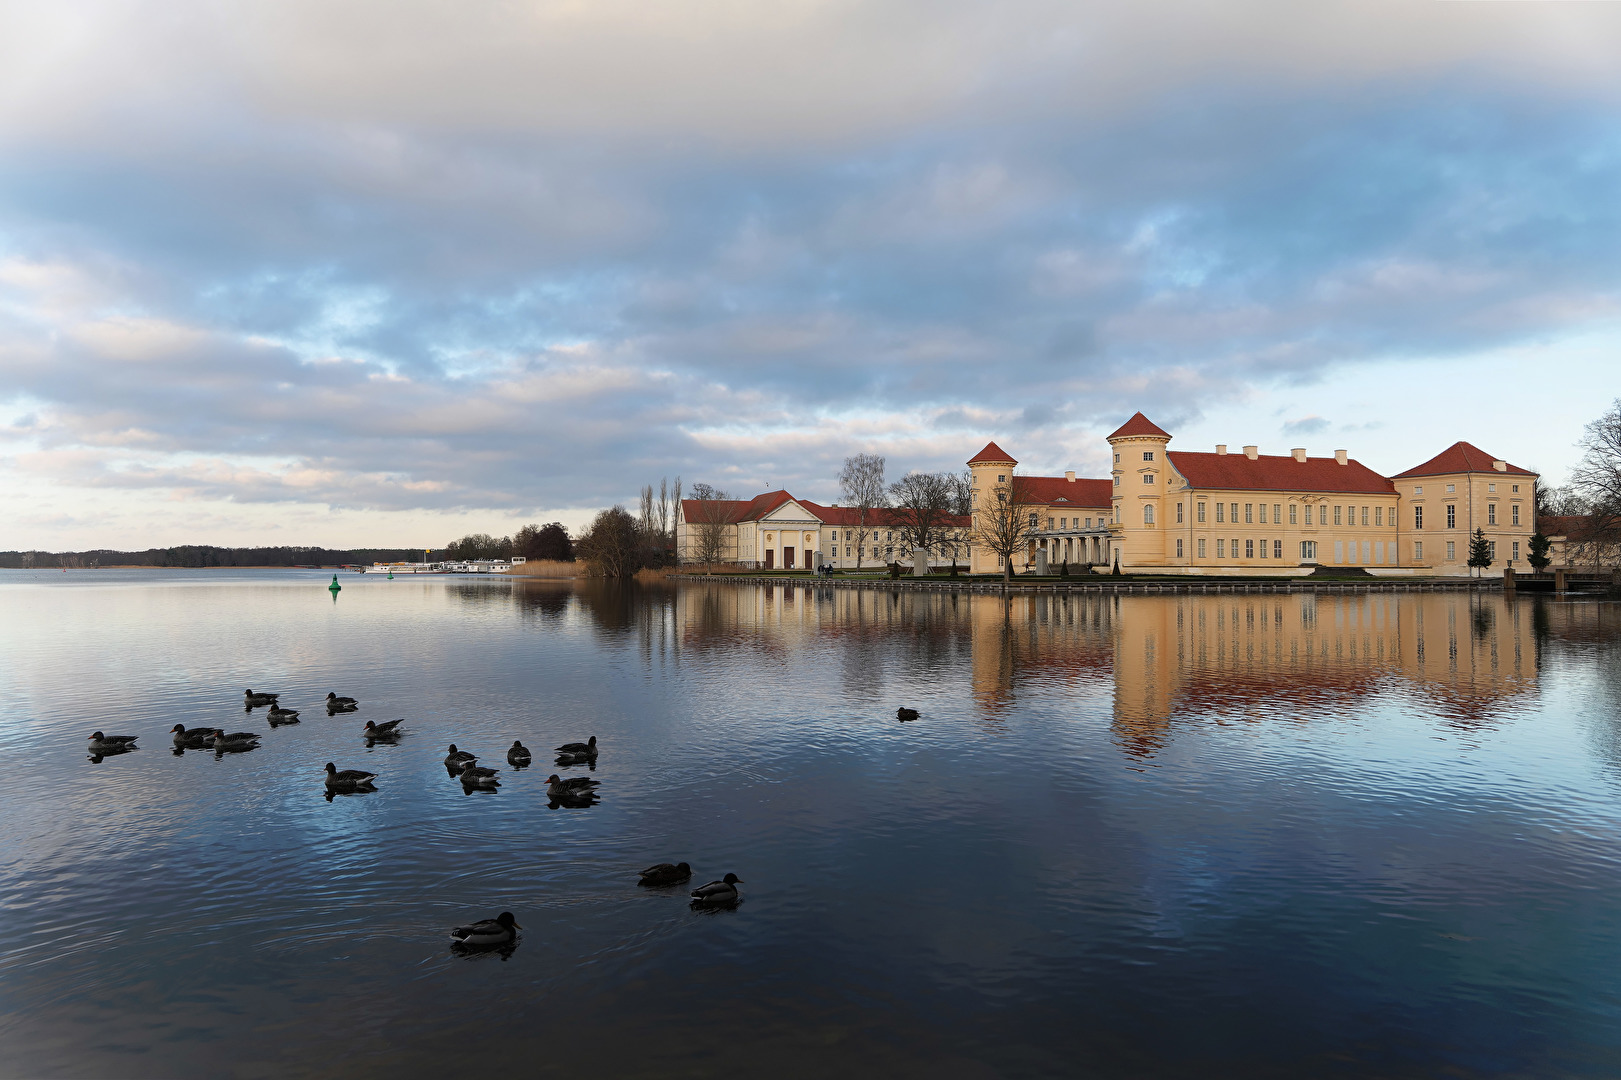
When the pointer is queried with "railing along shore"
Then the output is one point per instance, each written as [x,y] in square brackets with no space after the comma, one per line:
[1291,585]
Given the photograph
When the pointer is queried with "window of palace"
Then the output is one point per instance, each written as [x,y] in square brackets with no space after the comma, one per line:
[1515,513]
[1322,513]
[1117,481]
[1418,519]
[1117,459]
[1418,551]
[1221,548]
[1452,550]
[1364,515]
[1201,549]
[1515,488]
[1491,551]
[1418,491]
[1001,478]
[1148,455]
[1451,488]
[1491,487]
[1179,516]
[1452,515]
[1294,514]
[1249,549]
[1221,511]
[1337,514]
[1516,552]
[1234,507]
[1277,549]
[1179,548]
[1249,513]
[1199,512]
[1491,513]
[1378,515]
[1148,478]
[1308,551]
[1148,515]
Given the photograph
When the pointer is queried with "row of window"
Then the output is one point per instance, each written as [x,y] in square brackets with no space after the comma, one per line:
[1256,514]
[1452,515]
[1066,523]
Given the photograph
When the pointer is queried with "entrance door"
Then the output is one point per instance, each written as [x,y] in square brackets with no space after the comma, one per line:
[770,558]
[787,558]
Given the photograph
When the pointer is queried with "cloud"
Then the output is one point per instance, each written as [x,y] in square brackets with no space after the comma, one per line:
[404,259]
[1306,425]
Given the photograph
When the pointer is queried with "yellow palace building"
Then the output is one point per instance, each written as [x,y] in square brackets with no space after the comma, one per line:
[1192,512]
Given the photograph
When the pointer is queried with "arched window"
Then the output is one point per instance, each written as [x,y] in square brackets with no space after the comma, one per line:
[1148,515]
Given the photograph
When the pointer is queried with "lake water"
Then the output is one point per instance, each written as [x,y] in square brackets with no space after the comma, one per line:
[1265,835]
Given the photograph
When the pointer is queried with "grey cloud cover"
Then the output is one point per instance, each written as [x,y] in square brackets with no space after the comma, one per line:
[526,256]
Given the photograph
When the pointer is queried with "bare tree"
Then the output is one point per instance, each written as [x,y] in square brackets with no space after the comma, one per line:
[613,543]
[664,512]
[1597,477]
[861,484]
[962,492]
[920,507]
[1006,521]
[712,525]
[1555,501]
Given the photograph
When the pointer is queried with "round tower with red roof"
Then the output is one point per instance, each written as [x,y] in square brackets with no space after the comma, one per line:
[992,470]
[1140,470]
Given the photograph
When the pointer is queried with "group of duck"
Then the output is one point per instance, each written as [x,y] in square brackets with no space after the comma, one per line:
[574,792]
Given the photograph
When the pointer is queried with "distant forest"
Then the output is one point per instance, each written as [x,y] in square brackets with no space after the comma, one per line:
[207,555]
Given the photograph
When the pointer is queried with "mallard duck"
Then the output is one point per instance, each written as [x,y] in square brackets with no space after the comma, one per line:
[111,744]
[194,739]
[250,698]
[665,874]
[580,749]
[501,930]
[457,758]
[575,787]
[518,756]
[904,714]
[480,776]
[236,740]
[349,778]
[333,701]
[386,730]
[279,716]
[723,891]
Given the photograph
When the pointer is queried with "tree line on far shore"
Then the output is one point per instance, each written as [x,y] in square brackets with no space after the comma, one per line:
[549,542]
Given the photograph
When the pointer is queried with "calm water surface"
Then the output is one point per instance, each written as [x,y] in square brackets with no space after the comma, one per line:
[1151,836]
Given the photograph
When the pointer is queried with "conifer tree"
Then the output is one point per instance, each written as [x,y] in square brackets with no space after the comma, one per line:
[1480,550]
[1537,552]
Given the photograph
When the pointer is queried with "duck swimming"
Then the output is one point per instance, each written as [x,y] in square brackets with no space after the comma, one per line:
[279,716]
[665,874]
[904,714]
[518,756]
[575,787]
[251,699]
[723,891]
[457,758]
[349,779]
[111,744]
[579,749]
[501,930]
[480,776]
[236,740]
[386,730]
[195,739]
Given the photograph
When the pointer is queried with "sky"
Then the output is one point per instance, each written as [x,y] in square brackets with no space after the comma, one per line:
[385,273]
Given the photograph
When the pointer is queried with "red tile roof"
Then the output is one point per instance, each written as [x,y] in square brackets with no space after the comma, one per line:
[735,510]
[1271,472]
[1461,457]
[992,452]
[1139,425]
[1061,491]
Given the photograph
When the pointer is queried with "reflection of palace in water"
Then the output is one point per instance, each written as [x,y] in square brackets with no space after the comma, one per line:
[1228,657]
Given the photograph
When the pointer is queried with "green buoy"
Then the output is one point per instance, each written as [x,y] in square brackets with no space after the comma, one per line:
[334,586]
[391,575]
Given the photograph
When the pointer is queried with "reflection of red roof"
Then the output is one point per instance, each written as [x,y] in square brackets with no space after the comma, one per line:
[1461,457]
[992,452]
[1061,491]
[1274,472]
[1139,425]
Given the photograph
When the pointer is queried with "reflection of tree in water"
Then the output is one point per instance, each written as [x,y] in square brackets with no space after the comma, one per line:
[545,600]
[1585,635]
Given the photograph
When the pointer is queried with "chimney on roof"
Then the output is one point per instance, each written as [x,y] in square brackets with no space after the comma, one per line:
[1252,452]
[1070,476]
[1299,453]
[1339,456]
[1221,448]
[1500,466]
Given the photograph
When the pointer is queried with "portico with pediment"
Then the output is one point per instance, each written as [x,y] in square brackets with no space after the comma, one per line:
[787,537]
